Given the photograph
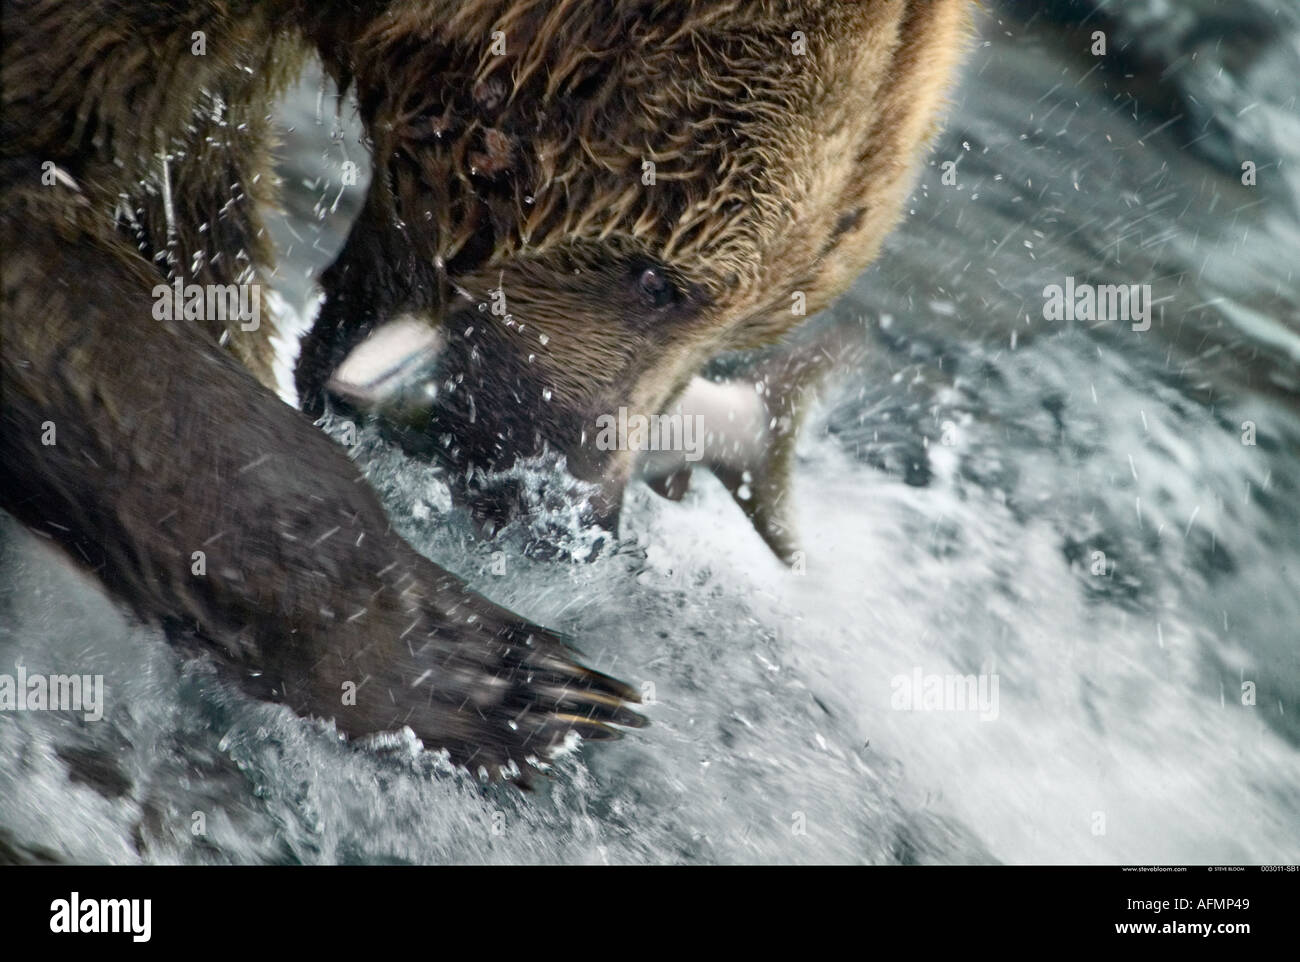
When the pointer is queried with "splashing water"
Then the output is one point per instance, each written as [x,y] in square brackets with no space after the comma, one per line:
[1068,512]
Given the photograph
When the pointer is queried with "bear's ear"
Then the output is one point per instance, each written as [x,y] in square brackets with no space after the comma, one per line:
[894,117]
[884,71]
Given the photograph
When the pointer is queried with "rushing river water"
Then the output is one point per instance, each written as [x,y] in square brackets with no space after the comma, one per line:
[1071,511]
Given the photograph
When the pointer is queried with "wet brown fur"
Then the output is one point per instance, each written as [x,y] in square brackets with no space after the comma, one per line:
[775,173]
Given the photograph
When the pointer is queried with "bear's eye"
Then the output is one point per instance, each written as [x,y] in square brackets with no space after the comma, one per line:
[655,288]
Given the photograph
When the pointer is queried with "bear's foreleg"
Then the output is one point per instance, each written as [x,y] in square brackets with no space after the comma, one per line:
[199,498]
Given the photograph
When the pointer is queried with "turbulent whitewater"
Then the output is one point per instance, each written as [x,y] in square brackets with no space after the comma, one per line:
[1097,524]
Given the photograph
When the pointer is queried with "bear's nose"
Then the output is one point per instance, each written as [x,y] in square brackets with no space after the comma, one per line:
[392,368]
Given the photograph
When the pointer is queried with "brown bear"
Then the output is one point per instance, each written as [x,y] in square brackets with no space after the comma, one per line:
[641,185]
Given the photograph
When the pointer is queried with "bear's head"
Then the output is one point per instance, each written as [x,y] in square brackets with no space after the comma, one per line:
[583,204]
